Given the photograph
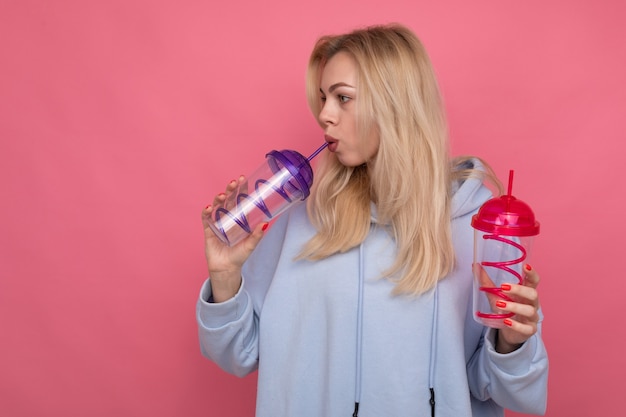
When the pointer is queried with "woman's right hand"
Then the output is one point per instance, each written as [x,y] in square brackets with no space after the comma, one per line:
[225,262]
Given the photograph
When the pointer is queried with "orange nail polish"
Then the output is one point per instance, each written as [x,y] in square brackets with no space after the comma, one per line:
[506,287]
[500,304]
[508,322]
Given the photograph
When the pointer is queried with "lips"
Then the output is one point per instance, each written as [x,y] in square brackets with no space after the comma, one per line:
[332,143]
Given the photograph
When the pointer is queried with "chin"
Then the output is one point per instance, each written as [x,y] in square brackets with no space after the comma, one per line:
[350,162]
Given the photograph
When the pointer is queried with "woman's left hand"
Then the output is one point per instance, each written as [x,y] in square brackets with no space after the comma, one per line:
[525,306]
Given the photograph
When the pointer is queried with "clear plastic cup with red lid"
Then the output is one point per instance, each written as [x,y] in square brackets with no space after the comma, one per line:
[504,230]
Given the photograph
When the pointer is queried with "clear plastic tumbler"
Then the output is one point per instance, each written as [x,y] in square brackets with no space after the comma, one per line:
[284,179]
[504,229]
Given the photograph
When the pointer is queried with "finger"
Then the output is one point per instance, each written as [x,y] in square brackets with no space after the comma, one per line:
[256,235]
[218,201]
[521,294]
[482,275]
[526,312]
[524,329]
[206,216]
[243,184]
[250,242]
[209,228]
[231,194]
[531,278]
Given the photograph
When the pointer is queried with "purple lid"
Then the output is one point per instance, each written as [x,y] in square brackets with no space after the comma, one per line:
[297,165]
[506,215]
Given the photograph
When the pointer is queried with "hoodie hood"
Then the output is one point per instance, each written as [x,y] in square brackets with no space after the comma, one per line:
[467,195]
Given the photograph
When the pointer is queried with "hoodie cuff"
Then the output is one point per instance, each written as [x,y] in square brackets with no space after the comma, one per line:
[215,315]
[514,363]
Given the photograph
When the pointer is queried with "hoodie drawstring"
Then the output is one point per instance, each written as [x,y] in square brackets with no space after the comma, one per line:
[433,352]
[359,340]
[359,333]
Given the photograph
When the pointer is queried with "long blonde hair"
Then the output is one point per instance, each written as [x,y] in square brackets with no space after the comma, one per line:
[409,181]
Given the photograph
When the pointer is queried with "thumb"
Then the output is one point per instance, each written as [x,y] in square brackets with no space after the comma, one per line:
[531,278]
[255,237]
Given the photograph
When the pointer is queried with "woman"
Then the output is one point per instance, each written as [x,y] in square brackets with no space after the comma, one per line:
[360,302]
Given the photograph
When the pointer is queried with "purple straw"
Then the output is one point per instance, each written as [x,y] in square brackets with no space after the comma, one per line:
[320,149]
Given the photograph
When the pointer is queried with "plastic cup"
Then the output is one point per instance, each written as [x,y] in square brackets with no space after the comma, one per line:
[504,229]
[284,179]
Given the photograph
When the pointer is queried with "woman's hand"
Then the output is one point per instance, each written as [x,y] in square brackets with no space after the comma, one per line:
[224,262]
[525,306]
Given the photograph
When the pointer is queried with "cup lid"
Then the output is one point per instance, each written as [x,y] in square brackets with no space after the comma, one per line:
[506,215]
[297,165]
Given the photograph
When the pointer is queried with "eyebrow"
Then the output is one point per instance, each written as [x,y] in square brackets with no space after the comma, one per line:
[335,86]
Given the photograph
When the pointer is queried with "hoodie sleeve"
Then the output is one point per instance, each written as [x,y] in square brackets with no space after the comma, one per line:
[517,380]
[229,332]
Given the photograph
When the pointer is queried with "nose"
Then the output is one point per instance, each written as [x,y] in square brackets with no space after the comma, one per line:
[328,115]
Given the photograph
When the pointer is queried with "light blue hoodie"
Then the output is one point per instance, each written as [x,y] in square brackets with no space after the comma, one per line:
[328,334]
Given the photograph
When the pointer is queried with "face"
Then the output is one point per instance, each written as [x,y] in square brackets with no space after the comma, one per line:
[338,94]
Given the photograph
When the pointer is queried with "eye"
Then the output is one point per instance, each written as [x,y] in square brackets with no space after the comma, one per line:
[344,99]
[323,99]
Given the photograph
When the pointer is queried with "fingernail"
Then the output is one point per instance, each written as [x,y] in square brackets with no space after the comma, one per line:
[500,304]
[506,287]
[508,322]
[221,194]
[528,267]
[265,226]
[207,207]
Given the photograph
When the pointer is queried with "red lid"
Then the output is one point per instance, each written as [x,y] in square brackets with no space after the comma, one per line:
[506,215]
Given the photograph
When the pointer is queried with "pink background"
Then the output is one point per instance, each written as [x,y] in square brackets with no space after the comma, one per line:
[119,120]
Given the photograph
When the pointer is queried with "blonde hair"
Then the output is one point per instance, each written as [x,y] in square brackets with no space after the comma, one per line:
[410,177]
